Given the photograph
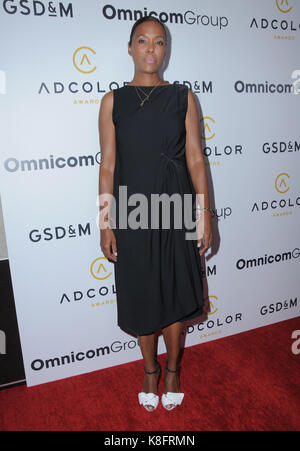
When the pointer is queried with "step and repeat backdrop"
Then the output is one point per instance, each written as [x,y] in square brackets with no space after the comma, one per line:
[58,59]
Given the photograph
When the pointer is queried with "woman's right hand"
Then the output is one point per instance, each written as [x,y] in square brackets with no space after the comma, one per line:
[108,244]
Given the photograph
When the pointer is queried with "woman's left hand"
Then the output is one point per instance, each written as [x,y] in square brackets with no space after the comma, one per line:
[204,232]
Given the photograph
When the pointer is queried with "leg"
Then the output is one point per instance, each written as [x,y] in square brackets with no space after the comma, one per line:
[172,336]
[148,344]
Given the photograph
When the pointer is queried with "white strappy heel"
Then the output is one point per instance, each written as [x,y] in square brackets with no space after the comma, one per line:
[171,399]
[150,399]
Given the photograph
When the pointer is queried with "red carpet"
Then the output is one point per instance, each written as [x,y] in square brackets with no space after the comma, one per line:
[249,381]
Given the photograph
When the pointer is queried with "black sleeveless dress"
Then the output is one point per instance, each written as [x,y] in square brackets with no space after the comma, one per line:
[158,273]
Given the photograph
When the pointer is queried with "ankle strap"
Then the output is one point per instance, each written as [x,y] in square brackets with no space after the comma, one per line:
[172,371]
[154,371]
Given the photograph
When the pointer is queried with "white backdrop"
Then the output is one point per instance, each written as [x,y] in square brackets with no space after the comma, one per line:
[57,61]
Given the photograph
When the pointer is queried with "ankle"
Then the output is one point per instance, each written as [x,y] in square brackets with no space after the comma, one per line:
[152,368]
[172,366]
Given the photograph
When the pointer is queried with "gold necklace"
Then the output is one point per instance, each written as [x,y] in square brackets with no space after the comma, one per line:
[146,95]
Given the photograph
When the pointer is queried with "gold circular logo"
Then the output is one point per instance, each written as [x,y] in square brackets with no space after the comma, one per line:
[98,269]
[281,182]
[82,60]
[206,128]
[213,308]
[283,6]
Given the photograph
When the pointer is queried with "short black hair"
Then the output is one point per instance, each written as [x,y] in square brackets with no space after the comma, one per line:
[145,19]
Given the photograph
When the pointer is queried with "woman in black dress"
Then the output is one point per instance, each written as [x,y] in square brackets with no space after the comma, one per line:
[150,143]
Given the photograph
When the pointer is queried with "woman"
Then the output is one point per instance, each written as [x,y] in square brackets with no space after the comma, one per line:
[150,143]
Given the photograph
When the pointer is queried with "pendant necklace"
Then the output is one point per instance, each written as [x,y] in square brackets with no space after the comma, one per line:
[146,95]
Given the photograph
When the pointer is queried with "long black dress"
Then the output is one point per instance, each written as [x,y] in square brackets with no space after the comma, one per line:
[158,272]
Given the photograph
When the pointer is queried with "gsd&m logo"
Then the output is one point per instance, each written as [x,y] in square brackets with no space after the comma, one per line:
[38,8]
[59,232]
[279,147]
[103,291]
[279,306]
[279,206]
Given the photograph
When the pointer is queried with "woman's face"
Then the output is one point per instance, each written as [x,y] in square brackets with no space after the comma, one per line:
[148,47]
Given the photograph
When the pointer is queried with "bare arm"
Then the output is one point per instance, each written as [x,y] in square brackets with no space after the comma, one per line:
[106,172]
[194,154]
[196,166]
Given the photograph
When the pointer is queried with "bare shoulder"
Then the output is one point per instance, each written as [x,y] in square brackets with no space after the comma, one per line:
[192,106]
[191,96]
[106,107]
[107,101]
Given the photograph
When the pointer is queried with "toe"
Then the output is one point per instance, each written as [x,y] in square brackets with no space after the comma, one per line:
[149,408]
[170,406]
